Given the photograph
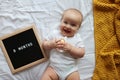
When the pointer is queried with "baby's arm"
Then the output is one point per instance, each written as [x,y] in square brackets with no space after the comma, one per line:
[48,44]
[76,52]
[72,50]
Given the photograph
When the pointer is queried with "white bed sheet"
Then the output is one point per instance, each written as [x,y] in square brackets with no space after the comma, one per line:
[15,14]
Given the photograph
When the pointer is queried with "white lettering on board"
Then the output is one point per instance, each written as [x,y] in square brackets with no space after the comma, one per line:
[23,47]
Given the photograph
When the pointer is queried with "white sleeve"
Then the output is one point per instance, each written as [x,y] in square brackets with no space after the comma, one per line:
[79,42]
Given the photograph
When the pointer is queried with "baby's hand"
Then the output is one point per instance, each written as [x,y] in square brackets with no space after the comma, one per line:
[67,47]
[50,44]
[60,43]
[63,46]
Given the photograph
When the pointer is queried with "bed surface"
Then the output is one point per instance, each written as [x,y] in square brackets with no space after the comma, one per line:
[16,14]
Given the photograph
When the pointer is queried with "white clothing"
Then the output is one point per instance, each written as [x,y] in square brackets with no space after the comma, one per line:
[62,62]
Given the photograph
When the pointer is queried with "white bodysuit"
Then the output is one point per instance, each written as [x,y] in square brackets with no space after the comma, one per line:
[62,62]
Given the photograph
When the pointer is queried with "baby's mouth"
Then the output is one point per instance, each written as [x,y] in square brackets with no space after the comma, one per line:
[67,31]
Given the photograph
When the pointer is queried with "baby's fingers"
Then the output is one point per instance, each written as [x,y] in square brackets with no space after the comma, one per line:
[60,46]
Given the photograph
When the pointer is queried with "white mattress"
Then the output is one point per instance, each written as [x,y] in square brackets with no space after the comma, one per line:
[15,14]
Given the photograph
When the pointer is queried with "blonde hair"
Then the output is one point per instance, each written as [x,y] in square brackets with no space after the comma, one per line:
[75,10]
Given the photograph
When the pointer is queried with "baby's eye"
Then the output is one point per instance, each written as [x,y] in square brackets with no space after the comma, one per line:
[65,22]
[73,24]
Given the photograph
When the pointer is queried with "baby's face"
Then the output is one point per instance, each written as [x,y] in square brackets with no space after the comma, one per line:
[70,23]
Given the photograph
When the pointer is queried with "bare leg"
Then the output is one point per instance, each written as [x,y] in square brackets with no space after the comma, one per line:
[74,76]
[50,74]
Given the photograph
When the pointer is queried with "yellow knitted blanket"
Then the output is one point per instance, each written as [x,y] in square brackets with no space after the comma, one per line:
[107,39]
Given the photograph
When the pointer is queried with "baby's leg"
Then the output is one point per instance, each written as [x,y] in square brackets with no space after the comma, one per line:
[50,74]
[74,76]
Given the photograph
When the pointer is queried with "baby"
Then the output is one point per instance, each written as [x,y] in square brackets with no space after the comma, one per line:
[63,64]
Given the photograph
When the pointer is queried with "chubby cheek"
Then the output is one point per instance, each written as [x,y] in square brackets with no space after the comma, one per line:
[61,28]
[62,25]
[72,32]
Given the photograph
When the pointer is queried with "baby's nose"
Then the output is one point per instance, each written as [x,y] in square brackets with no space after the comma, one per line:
[68,26]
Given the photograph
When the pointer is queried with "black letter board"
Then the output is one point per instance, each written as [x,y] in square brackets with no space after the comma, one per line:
[22,49]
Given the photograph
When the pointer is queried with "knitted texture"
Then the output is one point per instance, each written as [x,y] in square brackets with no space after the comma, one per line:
[107,39]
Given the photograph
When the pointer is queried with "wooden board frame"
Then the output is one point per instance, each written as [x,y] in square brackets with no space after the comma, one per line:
[17,56]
